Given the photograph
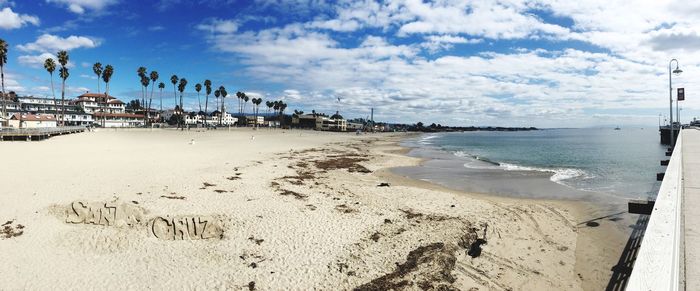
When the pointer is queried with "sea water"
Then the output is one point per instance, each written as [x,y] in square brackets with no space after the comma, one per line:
[619,163]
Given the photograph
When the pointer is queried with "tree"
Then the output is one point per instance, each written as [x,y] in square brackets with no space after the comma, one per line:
[181,88]
[245,104]
[217,93]
[256,102]
[283,106]
[141,72]
[269,106]
[3,61]
[419,124]
[153,77]
[50,67]
[144,82]
[97,69]
[198,87]
[239,96]
[106,77]
[174,79]
[161,86]
[222,91]
[207,90]
[63,73]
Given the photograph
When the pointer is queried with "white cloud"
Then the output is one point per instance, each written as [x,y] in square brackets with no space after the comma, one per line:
[11,20]
[80,6]
[219,26]
[156,28]
[35,61]
[51,43]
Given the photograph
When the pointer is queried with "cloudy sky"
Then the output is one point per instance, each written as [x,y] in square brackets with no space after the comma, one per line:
[545,63]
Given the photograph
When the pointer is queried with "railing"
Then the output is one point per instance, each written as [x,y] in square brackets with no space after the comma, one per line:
[658,263]
[39,131]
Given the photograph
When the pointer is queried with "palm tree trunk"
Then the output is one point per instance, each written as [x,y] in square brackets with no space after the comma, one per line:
[53,93]
[98,84]
[2,79]
[104,112]
[161,99]
[200,102]
[206,103]
[63,102]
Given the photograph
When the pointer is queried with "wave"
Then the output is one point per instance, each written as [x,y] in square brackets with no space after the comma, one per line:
[558,174]
[425,140]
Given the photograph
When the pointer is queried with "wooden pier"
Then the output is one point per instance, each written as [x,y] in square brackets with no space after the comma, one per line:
[669,256]
[36,134]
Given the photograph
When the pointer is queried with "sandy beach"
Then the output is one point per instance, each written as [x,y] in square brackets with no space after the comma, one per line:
[277,210]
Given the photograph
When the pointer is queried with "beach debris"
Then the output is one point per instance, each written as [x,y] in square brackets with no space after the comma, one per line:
[9,231]
[375,236]
[311,207]
[297,195]
[207,184]
[173,197]
[345,209]
[471,241]
[233,178]
[351,164]
[251,285]
[383,184]
[220,191]
[387,221]
[427,267]
[257,241]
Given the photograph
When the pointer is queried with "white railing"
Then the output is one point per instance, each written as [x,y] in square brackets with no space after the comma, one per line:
[658,262]
[39,131]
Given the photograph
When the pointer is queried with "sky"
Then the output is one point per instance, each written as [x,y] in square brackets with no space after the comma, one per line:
[544,63]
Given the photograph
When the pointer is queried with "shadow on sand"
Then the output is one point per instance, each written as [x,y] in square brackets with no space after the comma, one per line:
[623,269]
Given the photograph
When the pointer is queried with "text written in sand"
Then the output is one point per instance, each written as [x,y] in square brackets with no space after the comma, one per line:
[107,214]
[186,228]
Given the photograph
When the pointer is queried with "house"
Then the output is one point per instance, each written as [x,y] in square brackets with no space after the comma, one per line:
[19,120]
[253,120]
[320,122]
[108,111]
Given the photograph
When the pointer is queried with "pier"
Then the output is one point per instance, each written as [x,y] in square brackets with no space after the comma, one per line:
[36,134]
[669,256]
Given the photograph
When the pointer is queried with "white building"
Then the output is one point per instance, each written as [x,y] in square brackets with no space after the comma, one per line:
[19,120]
[108,111]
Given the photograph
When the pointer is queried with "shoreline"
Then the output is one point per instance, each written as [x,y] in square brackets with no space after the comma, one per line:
[607,238]
[273,198]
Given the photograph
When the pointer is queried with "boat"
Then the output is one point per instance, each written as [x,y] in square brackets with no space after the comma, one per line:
[617,128]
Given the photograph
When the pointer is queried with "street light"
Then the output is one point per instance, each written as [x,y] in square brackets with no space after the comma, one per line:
[677,71]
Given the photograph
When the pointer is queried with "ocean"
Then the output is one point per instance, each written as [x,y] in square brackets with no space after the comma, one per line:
[578,164]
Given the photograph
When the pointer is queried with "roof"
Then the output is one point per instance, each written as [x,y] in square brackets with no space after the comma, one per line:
[336,116]
[33,117]
[96,95]
[100,114]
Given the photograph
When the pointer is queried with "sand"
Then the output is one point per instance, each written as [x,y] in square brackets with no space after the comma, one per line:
[300,210]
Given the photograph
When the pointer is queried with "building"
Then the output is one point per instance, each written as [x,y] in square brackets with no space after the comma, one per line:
[253,120]
[36,105]
[108,111]
[320,122]
[24,120]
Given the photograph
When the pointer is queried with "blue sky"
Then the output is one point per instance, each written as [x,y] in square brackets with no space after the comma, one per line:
[545,63]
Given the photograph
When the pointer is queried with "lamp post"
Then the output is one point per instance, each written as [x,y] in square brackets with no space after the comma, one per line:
[677,71]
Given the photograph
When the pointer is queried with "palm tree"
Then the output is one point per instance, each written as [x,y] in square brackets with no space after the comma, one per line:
[50,67]
[97,69]
[283,106]
[269,106]
[181,88]
[173,79]
[63,73]
[217,93]
[245,104]
[161,86]
[198,87]
[144,83]
[223,92]
[207,90]
[154,77]
[141,72]
[239,96]
[257,102]
[3,61]
[106,77]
